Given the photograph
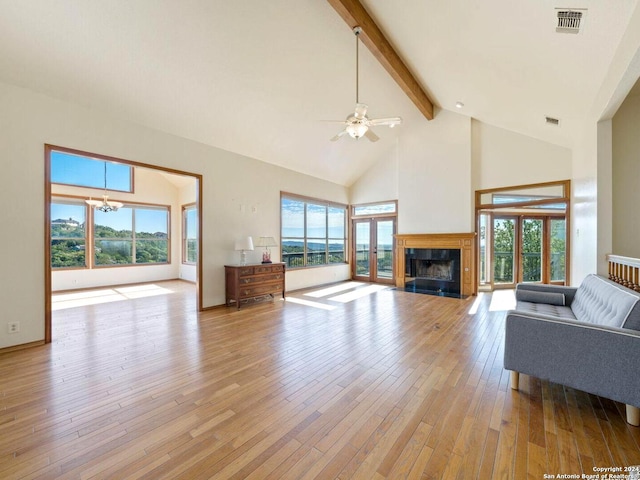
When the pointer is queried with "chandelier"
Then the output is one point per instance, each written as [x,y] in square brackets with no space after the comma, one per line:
[105,205]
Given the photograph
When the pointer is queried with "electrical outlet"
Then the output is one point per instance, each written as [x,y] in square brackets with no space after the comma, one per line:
[13,327]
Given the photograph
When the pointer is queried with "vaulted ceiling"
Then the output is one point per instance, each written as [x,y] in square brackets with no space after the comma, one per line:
[259,77]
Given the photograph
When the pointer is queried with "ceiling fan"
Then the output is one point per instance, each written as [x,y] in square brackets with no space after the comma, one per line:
[358,124]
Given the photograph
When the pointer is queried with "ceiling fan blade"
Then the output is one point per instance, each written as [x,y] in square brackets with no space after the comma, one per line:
[337,137]
[361,110]
[391,121]
[371,136]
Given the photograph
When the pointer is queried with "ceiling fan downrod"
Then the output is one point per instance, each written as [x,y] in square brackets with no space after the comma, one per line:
[357,31]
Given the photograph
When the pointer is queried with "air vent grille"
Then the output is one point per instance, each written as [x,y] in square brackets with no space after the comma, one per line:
[551,121]
[569,21]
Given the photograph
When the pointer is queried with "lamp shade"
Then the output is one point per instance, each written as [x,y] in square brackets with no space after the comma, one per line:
[244,243]
[265,242]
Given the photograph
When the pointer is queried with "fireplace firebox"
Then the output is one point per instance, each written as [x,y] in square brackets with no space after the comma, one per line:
[433,270]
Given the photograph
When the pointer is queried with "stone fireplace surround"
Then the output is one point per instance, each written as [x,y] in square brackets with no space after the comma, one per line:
[465,242]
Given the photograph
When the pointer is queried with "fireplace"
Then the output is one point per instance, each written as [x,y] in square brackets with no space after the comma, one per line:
[440,263]
[433,270]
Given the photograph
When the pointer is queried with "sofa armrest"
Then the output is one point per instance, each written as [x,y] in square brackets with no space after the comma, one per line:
[568,292]
[596,359]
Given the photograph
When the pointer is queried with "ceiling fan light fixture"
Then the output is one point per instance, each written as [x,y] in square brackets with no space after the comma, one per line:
[356,130]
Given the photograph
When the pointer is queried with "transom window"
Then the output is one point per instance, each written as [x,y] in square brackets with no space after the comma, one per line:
[313,232]
[82,171]
[385,208]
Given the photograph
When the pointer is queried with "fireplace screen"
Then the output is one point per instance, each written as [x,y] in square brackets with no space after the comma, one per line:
[434,269]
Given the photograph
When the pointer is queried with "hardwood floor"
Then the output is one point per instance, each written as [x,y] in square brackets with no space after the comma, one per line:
[364,383]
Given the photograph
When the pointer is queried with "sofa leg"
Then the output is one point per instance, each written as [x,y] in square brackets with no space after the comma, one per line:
[515,380]
[633,415]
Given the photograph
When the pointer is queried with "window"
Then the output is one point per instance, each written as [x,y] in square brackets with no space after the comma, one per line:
[131,235]
[313,232]
[68,235]
[189,234]
[387,208]
[80,171]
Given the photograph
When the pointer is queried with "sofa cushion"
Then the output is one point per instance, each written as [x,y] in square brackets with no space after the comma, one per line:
[554,311]
[603,302]
[541,297]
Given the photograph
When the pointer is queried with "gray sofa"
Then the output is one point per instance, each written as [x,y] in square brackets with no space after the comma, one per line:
[587,338]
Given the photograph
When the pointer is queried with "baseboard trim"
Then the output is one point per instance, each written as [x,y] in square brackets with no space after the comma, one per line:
[22,346]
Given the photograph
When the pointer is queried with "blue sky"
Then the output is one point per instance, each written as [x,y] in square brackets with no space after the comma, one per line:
[293,220]
[72,169]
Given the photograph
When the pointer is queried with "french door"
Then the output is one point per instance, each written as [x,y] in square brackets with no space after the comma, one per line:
[526,248]
[373,248]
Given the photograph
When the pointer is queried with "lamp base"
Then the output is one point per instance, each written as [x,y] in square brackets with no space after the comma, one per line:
[267,261]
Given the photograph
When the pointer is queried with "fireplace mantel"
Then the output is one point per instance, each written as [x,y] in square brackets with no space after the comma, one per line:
[465,242]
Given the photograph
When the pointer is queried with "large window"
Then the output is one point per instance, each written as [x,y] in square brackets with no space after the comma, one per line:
[189,234]
[68,235]
[80,171]
[313,232]
[132,235]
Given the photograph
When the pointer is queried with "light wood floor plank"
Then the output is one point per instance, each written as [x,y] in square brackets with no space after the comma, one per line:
[390,385]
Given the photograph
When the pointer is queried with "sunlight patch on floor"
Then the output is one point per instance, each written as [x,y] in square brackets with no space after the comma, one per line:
[502,300]
[95,297]
[476,303]
[324,292]
[309,303]
[359,293]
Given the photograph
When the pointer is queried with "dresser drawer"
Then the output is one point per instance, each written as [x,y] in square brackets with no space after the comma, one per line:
[269,277]
[268,268]
[252,291]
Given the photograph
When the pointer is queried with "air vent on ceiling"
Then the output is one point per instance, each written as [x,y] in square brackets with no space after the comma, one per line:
[551,121]
[570,20]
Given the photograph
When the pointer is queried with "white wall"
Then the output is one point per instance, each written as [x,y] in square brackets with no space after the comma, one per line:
[29,120]
[592,236]
[434,175]
[626,173]
[502,158]
[439,164]
[150,187]
[380,182]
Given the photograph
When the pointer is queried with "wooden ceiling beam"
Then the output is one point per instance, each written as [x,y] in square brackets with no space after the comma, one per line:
[354,14]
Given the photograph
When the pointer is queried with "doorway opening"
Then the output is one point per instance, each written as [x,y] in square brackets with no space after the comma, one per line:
[113,222]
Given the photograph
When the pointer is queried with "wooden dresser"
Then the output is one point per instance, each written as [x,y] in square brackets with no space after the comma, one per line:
[249,282]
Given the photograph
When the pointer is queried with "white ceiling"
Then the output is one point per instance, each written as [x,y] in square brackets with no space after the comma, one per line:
[258,77]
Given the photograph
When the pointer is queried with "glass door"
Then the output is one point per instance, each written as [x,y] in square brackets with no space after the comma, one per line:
[373,248]
[504,252]
[531,260]
[538,242]
[384,250]
[558,250]
[362,250]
